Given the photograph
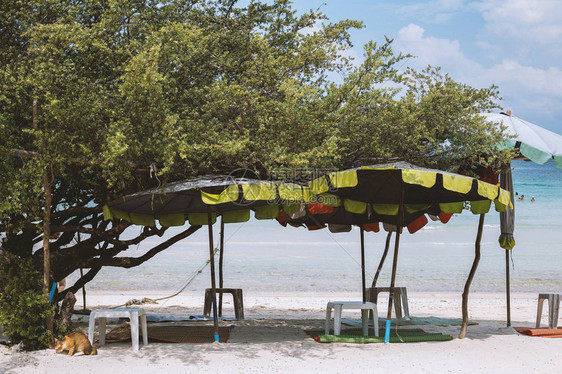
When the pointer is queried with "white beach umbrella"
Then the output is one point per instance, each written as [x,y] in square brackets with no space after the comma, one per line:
[534,143]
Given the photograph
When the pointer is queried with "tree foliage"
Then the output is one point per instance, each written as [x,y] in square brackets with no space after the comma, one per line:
[23,307]
[189,87]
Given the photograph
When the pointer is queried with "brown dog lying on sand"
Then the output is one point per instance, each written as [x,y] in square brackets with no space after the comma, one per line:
[75,342]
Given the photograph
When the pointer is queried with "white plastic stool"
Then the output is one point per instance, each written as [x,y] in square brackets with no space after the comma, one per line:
[553,307]
[133,314]
[365,308]
[400,299]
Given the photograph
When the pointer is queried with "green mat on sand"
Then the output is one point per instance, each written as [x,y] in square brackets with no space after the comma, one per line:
[396,336]
[173,333]
[435,321]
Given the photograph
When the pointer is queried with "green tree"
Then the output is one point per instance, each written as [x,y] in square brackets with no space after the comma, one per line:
[23,307]
[186,87]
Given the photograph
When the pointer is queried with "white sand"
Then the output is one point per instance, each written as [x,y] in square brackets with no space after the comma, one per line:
[271,340]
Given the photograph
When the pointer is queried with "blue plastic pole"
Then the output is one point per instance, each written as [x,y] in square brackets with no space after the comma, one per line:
[392,284]
[52,292]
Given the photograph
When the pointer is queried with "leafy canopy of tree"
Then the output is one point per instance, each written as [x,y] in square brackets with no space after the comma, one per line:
[23,307]
[193,87]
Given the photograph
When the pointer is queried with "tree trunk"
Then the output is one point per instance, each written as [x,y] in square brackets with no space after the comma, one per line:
[470,277]
[46,225]
[64,319]
[46,233]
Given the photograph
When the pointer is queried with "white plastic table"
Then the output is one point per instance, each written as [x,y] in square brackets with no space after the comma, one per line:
[365,308]
[133,314]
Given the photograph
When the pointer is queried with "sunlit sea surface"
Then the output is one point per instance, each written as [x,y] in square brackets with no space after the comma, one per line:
[262,256]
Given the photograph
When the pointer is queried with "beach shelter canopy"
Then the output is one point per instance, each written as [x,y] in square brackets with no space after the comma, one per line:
[391,191]
[192,199]
[200,200]
[533,142]
[397,194]
[381,189]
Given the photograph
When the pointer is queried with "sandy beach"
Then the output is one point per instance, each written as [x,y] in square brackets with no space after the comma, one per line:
[271,339]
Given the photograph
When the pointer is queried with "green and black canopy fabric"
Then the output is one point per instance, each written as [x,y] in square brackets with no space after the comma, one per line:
[340,216]
[361,195]
[200,200]
[396,193]
[399,192]
[373,194]
[381,188]
[192,199]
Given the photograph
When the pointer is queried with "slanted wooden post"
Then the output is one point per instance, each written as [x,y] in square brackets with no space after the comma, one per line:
[213,282]
[470,277]
[399,221]
[383,258]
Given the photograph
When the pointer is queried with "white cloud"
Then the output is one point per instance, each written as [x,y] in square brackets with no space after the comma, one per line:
[485,45]
[537,22]
[434,51]
[435,11]
[525,88]
[533,80]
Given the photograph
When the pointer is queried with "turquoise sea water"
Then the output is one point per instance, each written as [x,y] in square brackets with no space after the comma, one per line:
[264,256]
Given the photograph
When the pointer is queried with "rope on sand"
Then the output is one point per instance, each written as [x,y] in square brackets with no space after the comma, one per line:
[146,300]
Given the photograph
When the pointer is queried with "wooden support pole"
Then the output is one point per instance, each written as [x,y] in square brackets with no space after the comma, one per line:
[362,234]
[470,277]
[221,249]
[507,287]
[392,284]
[399,220]
[383,259]
[507,225]
[213,282]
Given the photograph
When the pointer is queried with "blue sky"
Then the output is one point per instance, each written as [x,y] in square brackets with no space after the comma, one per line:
[514,44]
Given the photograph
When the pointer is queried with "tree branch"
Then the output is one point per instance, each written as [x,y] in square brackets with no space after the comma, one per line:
[108,234]
[227,14]
[145,234]
[79,283]
[24,153]
[129,262]
[32,154]
[77,211]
